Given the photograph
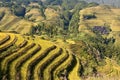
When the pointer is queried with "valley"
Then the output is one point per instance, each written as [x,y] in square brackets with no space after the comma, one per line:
[59,40]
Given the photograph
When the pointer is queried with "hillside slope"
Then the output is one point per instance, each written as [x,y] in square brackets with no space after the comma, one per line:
[101,16]
[27,58]
[31,58]
[104,16]
[32,18]
[13,23]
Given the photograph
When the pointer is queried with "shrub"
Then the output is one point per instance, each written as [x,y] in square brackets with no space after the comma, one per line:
[89,16]
[2,15]
[101,30]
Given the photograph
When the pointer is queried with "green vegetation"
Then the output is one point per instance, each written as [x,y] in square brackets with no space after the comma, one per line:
[19,11]
[29,59]
[55,14]
[58,40]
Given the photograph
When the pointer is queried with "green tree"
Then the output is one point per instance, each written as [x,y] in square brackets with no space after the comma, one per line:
[69,4]
[19,11]
[80,5]
[73,26]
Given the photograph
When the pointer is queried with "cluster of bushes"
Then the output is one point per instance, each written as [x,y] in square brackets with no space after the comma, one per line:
[101,30]
[87,57]
[93,50]
[89,16]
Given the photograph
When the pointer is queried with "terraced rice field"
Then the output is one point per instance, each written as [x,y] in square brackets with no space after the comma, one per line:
[35,59]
